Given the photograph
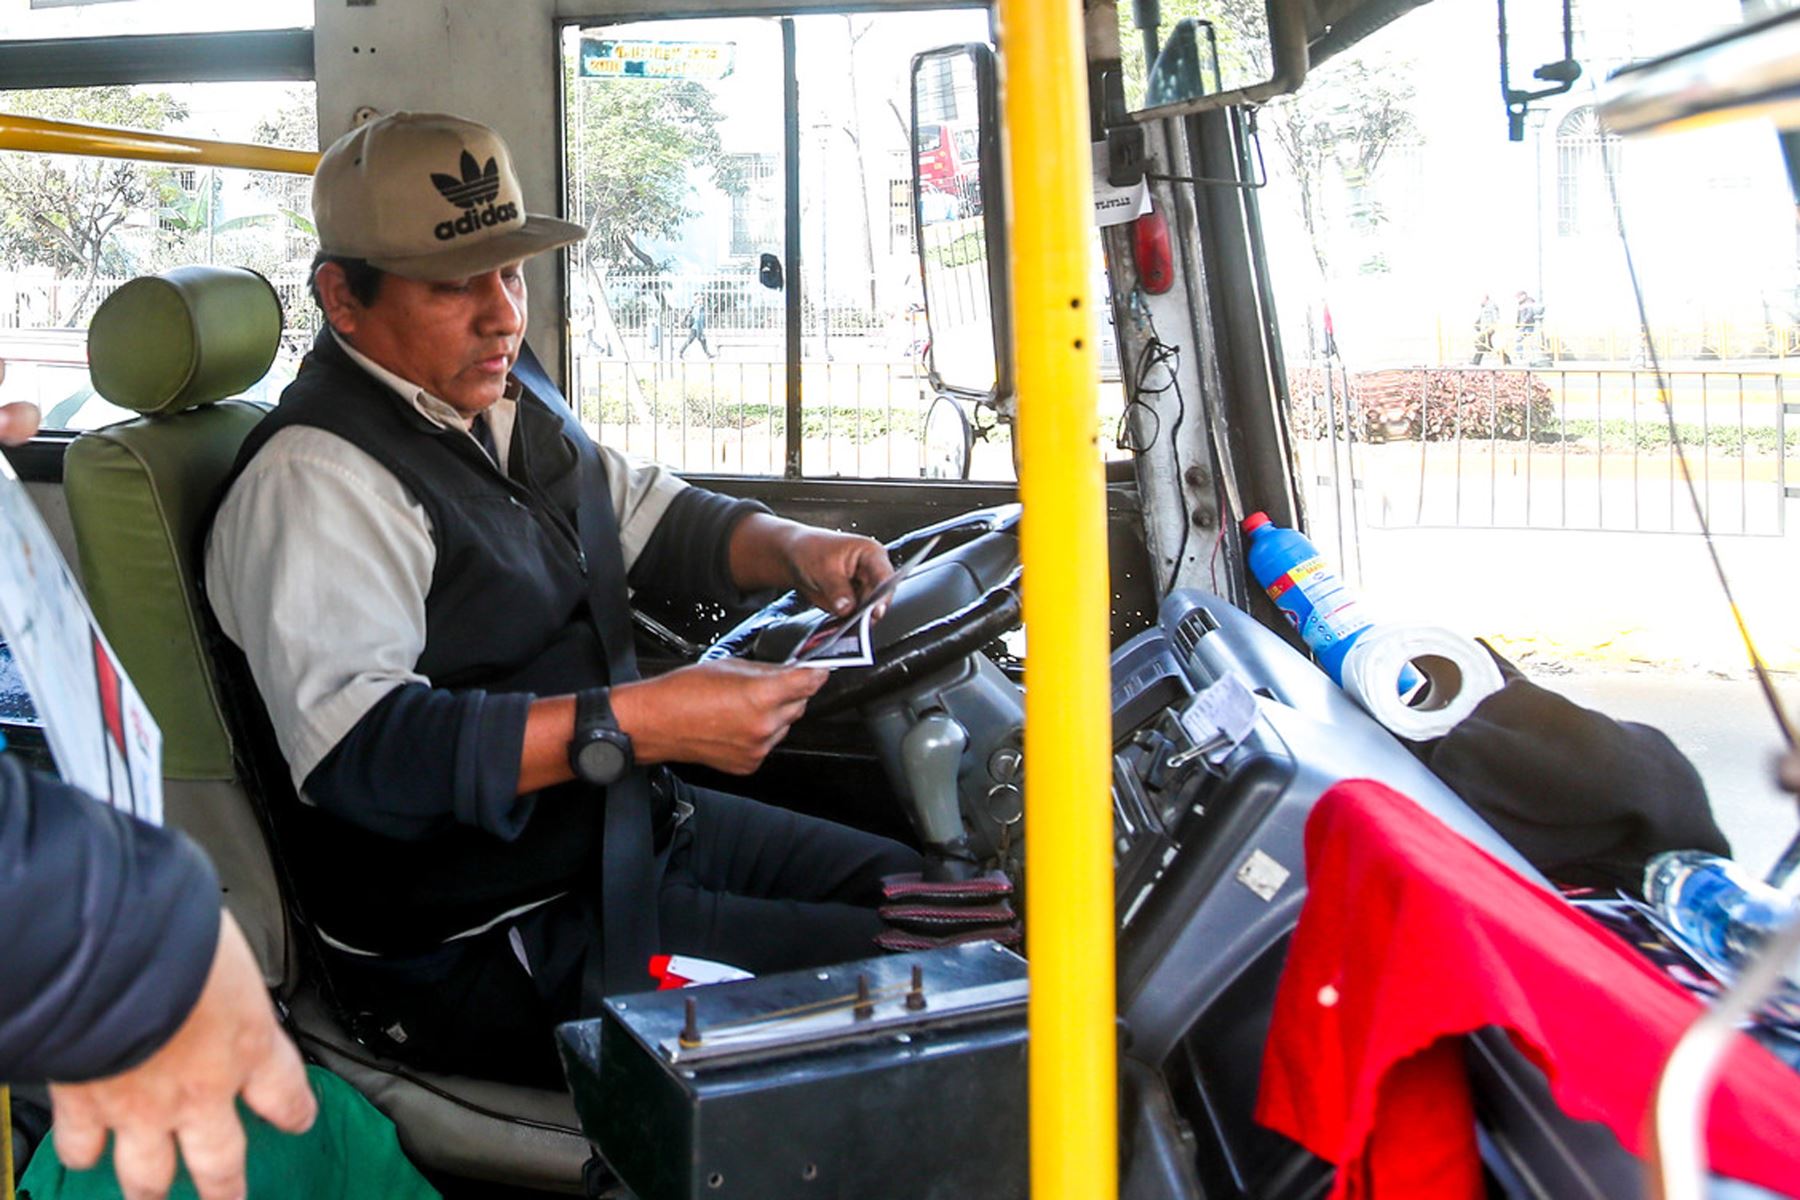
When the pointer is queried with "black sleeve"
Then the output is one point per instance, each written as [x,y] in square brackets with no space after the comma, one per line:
[107,936]
[424,758]
[688,554]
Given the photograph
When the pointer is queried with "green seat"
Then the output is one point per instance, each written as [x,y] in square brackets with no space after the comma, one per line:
[175,347]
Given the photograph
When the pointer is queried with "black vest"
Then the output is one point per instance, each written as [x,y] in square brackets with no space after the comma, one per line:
[527,594]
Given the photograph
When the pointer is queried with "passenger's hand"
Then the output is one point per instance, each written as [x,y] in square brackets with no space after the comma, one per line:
[184,1095]
[727,715]
[1789,771]
[18,421]
[835,570]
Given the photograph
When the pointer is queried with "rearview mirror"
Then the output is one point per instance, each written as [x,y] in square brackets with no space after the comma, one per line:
[958,220]
[768,272]
[1227,52]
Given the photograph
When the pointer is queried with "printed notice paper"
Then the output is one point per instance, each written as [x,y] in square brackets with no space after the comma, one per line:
[101,735]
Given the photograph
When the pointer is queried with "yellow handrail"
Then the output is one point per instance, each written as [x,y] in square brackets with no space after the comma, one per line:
[1068,716]
[36,135]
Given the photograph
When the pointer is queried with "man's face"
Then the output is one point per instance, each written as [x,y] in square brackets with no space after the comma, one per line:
[455,338]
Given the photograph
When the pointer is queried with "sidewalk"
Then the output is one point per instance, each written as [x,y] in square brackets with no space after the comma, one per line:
[1624,599]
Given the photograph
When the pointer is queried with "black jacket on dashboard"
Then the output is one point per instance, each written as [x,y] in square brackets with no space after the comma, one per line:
[107,933]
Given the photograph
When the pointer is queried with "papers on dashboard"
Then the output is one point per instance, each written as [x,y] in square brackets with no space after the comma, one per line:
[1220,718]
[832,642]
[103,738]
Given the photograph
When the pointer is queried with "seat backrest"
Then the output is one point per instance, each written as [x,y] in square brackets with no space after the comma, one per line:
[173,347]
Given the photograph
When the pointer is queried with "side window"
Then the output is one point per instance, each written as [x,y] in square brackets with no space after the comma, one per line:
[72,228]
[676,134]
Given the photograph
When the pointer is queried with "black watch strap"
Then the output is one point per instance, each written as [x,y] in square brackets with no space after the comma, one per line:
[600,752]
[593,709]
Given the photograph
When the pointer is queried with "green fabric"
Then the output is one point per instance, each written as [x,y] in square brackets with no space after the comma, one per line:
[137,495]
[350,1153]
[162,343]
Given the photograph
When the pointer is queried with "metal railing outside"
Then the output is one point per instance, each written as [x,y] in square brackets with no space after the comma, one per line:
[729,416]
[1577,449]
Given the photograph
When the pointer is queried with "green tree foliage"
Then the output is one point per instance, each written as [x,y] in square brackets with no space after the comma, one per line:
[634,147]
[294,125]
[69,213]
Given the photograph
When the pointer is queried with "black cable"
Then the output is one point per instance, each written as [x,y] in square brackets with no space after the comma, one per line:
[1158,353]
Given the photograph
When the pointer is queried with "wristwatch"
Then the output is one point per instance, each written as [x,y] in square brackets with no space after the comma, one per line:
[600,752]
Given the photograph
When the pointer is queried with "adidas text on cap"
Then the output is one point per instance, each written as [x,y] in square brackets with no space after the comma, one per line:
[428,196]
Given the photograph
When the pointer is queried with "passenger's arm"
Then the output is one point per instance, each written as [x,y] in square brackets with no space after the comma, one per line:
[18,421]
[122,972]
[110,924]
[184,1097]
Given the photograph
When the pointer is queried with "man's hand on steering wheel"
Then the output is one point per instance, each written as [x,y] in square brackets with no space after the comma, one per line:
[831,570]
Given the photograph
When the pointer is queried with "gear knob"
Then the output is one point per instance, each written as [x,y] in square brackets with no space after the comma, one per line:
[930,755]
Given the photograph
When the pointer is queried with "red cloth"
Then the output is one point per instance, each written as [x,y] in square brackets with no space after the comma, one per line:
[1410,937]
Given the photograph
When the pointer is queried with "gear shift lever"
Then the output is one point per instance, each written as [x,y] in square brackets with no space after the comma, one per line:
[930,754]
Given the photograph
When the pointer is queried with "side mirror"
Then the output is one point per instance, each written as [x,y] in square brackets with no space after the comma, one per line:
[1230,52]
[959,219]
[768,272]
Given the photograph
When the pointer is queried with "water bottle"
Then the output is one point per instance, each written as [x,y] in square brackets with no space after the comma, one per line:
[1718,909]
[1311,595]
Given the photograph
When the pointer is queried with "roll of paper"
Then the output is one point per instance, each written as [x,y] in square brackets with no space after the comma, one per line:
[1458,673]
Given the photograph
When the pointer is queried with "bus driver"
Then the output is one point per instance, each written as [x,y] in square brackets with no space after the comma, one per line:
[425,564]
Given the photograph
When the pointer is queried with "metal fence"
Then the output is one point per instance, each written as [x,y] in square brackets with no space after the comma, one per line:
[729,416]
[1546,448]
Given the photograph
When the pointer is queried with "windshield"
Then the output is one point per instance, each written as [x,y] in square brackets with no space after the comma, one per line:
[1478,430]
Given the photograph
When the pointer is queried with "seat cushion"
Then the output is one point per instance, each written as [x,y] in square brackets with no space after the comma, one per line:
[472,1128]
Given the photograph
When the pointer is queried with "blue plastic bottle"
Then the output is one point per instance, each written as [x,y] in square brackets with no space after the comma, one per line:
[1310,594]
[1713,904]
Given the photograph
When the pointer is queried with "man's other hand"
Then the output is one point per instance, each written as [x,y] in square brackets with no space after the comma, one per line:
[18,421]
[183,1095]
[726,715]
[1789,771]
[835,570]
[832,570]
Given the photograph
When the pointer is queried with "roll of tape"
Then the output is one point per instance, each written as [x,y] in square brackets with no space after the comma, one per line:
[1458,673]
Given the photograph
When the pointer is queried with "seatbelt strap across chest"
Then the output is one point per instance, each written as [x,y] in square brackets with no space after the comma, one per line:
[628,866]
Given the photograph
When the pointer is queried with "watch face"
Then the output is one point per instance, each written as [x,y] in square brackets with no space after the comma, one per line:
[601,761]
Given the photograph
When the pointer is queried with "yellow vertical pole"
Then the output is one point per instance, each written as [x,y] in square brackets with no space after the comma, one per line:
[1068,713]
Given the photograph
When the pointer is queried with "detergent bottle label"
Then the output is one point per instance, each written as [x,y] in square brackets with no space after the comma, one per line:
[1324,610]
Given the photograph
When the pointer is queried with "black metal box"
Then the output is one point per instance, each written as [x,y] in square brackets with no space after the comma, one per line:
[794,1089]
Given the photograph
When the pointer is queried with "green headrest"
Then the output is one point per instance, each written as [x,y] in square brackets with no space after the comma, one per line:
[187,337]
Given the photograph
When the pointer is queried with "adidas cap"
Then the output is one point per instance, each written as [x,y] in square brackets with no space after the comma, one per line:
[428,196]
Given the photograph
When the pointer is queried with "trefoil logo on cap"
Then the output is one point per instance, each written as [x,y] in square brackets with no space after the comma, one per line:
[478,185]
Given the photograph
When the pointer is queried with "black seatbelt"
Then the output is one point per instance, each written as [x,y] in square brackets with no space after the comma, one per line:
[483,433]
[628,871]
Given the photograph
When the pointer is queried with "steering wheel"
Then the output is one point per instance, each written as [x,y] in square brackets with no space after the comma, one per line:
[934,643]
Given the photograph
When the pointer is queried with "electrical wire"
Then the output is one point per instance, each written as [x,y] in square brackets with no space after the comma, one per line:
[1158,353]
[1790,858]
